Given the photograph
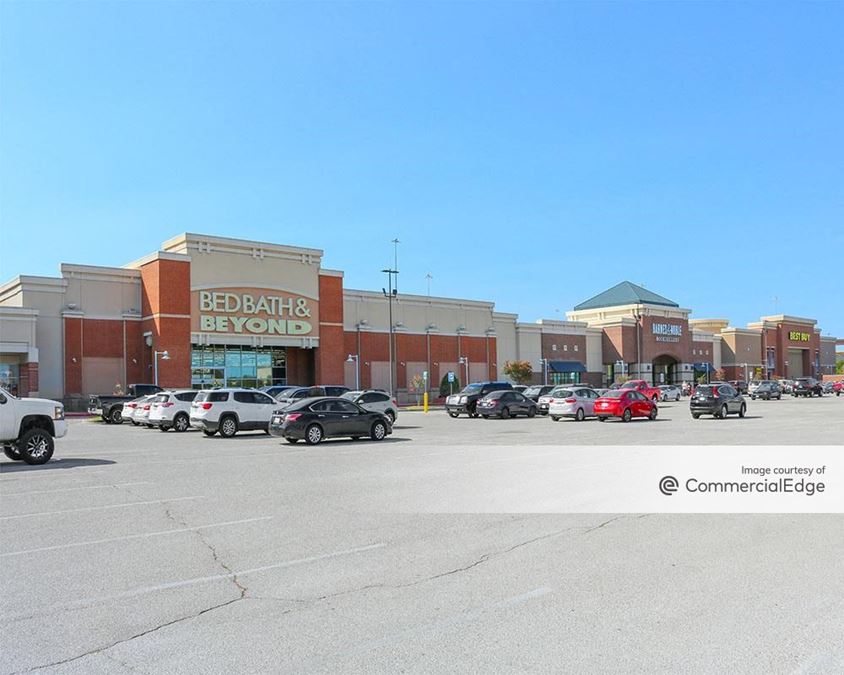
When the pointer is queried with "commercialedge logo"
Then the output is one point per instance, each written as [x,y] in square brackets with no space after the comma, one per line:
[668,485]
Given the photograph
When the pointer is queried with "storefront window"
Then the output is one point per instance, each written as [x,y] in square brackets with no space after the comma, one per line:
[564,378]
[236,366]
[10,377]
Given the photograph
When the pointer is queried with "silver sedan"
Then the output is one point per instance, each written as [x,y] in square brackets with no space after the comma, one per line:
[577,402]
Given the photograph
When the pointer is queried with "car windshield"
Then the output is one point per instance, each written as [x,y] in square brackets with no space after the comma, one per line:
[559,391]
[563,393]
[472,389]
[351,395]
[705,389]
[495,394]
[532,390]
[629,385]
[614,393]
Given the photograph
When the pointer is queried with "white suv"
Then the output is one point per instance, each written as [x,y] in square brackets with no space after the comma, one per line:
[376,401]
[171,410]
[231,410]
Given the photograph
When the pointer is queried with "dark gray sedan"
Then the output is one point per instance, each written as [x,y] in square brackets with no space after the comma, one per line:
[505,404]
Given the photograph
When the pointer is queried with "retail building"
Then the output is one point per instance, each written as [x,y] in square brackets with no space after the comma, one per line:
[212,311]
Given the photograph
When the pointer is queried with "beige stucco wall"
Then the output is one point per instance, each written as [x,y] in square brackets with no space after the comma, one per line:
[741,346]
[102,292]
[506,344]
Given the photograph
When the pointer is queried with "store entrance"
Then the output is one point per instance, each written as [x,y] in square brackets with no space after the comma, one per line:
[664,369]
[237,366]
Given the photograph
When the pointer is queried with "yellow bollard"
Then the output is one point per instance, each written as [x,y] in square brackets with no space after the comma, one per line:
[425,402]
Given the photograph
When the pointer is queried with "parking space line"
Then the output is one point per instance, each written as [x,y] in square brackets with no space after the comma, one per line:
[145,590]
[84,487]
[99,508]
[93,542]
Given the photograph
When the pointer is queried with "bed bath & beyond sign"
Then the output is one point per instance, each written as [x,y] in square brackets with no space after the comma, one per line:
[256,313]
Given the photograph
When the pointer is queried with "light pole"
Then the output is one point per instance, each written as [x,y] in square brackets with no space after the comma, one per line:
[390,292]
[464,360]
[543,362]
[355,358]
[165,356]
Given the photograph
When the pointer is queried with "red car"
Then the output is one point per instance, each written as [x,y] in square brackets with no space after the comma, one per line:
[838,388]
[647,390]
[626,404]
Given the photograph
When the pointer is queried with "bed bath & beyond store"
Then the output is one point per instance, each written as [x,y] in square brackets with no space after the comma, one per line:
[230,312]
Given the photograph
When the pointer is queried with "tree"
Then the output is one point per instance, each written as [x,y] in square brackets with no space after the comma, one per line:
[520,372]
[417,386]
[447,387]
[720,375]
[839,367]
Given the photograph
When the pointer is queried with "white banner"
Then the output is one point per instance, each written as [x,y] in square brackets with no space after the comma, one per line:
[623,479]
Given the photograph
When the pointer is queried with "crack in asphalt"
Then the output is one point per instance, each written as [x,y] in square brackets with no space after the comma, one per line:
[242,590]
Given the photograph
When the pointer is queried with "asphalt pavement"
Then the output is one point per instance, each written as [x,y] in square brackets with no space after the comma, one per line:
[140,551]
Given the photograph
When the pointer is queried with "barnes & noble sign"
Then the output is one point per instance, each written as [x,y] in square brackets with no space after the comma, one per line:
[253,312]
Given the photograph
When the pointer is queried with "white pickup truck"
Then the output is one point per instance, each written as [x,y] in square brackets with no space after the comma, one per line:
[28,427]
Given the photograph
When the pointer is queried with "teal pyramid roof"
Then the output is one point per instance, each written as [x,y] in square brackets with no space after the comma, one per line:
[625,293]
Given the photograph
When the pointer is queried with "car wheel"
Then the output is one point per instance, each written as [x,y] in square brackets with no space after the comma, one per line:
[579,415]
[753,397]
[181,422]
[313,434]
[653,414]
[11,452]
[135,424]
[116,416]
[724,412]
[208,432]
[453,414]
[505,413]
[602,419]
[163,428]
[293,441]
[228,426]
[742,410]
[532,412]
[554,418]
[696,415]
[378,432]
[486,417]
[391,415]
[36,446]
[626,415]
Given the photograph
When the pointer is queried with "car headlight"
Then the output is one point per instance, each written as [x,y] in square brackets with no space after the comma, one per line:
[463,399]
[58,412]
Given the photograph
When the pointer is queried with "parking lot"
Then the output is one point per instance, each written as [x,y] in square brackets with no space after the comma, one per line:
[136,550]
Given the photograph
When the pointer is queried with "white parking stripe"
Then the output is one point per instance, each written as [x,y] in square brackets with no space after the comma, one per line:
[99,508]
[144,590]
[145,535]
[84,487]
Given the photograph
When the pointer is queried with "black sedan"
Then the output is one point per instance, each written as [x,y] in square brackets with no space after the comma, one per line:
[719,399]
[505,404]
[767,391]
[314,419]
[806,386]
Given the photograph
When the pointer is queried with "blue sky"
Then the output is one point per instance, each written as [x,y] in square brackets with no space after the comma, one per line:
[532,154]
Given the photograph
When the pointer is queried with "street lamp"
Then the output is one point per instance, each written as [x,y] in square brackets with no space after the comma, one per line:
[390,292]
[543,363]
[355,358]
[165,356]
[464,360]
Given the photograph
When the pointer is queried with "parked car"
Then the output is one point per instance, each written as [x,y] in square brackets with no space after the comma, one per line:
[520,388]
[626,404]
[806,386]
[647,390]
[828,388]
[293,394]
[504,404]
[375,400]
[231,410]
[719,399]
[787,386]
[171,410]
[141,416]
[838,387]
[545,400]
[466,400]
[537,390]
[740,385]
[314,419]
[767,390]
[670,392]
[28,427]
[131,411]
[573,401]
[276,389]
[110,407]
